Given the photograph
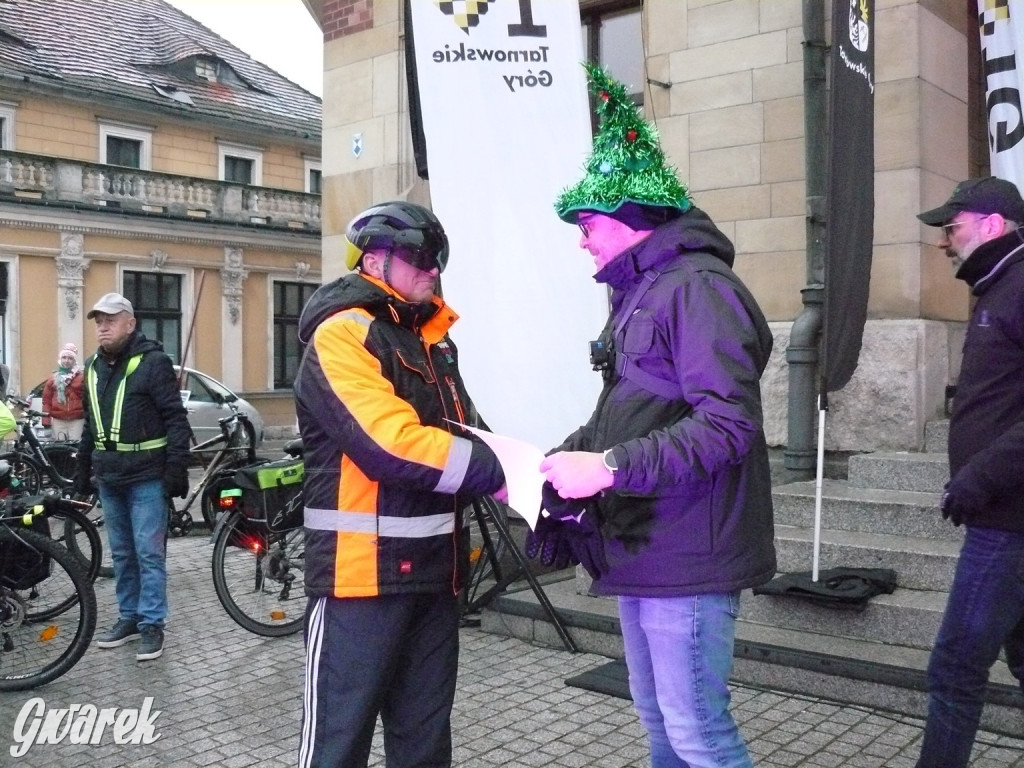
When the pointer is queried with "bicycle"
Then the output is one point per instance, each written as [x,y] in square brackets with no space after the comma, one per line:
[234,447]
[48,607]
[77,524]
[259,546]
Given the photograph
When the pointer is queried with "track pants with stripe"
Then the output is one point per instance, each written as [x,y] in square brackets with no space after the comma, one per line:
[395,656]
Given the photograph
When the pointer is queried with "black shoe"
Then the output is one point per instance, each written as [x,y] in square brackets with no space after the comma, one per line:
[122,632]
[152,644]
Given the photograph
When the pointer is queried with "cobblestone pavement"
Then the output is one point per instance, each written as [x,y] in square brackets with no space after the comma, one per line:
[228,698]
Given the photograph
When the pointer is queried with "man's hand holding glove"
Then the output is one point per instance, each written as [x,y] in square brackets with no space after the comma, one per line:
[83,484]
[570,534]
[962,497]
[176,481]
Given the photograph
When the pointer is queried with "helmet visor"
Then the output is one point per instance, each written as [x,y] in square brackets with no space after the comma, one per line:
[431,253]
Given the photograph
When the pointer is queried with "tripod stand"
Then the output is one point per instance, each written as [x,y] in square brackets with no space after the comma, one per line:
[487,511]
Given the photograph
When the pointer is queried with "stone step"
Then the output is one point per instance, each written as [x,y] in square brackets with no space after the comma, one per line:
[919,563]
[936,436]
[900,471]
[839,668]
[907,617]
[848,508]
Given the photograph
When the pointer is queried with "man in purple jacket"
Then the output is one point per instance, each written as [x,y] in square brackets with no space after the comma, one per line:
[981,231]
[671,471]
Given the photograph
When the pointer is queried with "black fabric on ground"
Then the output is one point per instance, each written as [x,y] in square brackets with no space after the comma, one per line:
[848,588]
[611,679]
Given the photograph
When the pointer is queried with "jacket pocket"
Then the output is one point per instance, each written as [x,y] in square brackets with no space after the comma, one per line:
[416,366]
[638,336]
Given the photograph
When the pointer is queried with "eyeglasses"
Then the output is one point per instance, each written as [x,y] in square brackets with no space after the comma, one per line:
[947,229]
[584,228]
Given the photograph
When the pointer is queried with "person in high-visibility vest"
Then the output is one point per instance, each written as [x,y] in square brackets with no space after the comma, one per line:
[135,442]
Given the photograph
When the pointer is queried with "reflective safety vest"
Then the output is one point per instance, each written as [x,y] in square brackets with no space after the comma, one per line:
[113,444]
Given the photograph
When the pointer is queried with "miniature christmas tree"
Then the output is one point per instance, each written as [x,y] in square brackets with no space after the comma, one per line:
[626,163]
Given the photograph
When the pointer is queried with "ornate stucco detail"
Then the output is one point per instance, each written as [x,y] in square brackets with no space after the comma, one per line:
[231,277]
[71,266]
[159,258]
[301,269]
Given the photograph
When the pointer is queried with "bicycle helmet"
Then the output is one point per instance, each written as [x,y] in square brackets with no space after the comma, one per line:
[411,230]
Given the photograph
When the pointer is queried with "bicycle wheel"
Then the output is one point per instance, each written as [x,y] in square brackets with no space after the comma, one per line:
[25,470]
[37,644]
[259,576]
[81,536]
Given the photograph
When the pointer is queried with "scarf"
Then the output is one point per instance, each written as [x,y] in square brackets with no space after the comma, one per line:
[61,378]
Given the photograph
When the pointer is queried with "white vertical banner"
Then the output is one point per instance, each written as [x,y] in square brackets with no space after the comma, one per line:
[507,127]
[1001,24]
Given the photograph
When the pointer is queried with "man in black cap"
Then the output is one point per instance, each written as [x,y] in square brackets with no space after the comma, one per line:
[981,232]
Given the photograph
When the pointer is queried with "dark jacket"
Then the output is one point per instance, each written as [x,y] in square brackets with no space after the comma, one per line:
[986,429]
[387,475]
[690,510]
[152,409]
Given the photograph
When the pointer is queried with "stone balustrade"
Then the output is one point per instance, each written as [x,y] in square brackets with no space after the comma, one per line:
[27,177]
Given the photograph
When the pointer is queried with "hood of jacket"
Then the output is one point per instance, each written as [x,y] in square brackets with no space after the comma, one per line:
[358,291]
[692,231]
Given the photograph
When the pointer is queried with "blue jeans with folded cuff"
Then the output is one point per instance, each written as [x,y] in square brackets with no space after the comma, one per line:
[135,517]
[985,613]
[679,654]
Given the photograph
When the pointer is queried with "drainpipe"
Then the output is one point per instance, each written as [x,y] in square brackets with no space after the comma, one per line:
[802,354]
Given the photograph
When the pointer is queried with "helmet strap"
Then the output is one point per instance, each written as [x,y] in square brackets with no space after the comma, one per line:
[386,268]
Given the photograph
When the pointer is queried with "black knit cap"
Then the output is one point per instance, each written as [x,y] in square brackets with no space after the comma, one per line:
[984,195]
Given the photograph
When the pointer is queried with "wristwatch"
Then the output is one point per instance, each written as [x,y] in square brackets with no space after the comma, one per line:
[609,461]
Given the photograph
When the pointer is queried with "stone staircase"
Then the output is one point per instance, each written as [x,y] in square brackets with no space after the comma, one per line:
[883,516]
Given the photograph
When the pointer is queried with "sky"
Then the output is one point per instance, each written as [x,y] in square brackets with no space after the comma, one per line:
[278,33]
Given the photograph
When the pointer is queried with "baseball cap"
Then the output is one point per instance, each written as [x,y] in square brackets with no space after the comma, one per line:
[111,304]
[983,195]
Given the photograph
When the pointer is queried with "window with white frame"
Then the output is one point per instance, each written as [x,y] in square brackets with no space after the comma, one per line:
[127,145]
[314,176]
[6,125]
[240,164]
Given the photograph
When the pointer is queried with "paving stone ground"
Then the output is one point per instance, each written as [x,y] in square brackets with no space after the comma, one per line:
[229,698]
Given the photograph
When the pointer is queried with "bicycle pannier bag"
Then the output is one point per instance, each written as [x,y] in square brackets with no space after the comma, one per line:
[270,491]
[21,565]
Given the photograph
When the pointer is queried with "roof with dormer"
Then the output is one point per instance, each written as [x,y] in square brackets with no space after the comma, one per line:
[145,52]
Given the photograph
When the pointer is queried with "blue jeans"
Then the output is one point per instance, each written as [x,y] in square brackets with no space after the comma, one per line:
[985,612]
[679,655]
[135,517]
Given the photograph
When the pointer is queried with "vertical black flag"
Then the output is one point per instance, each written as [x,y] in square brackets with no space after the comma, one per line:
[412,82]
[850,189]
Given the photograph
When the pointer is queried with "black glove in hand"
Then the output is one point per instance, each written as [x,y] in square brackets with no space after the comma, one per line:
[176,481]
[961,499]
[550,543]
[559,508]
[579,526]
[83,485]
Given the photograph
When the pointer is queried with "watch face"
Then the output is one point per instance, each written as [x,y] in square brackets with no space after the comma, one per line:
[609,461]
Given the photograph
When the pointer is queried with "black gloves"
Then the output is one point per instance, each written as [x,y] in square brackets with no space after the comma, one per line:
[570,535]
[83,485]
[176,481]
[961,498]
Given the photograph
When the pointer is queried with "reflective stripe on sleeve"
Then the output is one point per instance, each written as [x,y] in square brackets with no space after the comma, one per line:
[383,525]
[454,473]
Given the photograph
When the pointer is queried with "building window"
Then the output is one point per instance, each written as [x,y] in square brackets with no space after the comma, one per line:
[614,39]
[289,299]
[6,125]
[125,145]
[314,177]
[240,164]
[156,297]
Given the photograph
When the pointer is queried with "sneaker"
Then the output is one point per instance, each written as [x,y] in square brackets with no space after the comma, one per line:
[122,632]
[152,644]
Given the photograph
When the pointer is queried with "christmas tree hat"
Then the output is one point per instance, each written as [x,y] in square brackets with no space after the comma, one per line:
[626,164]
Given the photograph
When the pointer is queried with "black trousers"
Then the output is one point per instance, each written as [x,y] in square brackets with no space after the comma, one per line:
[395,656]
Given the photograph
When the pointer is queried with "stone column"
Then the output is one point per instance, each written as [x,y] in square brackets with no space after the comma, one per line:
[231,277]
[71,266]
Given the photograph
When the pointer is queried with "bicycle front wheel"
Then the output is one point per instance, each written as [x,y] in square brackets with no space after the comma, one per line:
[26,470]
[259,576]
[39,643]
[82,538]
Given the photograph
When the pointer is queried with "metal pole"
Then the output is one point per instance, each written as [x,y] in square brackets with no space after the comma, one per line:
[802,353]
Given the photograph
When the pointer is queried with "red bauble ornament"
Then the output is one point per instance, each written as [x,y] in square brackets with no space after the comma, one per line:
[604,95]
[631,135]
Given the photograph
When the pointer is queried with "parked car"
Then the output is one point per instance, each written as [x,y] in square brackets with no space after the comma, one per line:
[205,399]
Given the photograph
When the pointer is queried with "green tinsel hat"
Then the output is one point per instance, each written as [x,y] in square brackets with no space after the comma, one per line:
[626,164]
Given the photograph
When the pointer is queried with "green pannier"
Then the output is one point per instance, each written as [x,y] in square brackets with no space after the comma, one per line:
[272,493]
